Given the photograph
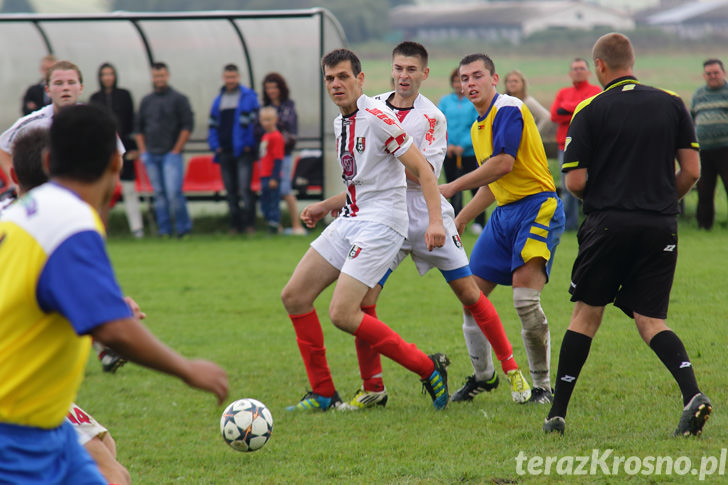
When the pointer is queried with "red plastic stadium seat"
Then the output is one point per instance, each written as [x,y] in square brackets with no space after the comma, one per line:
[142,183]
[202,175]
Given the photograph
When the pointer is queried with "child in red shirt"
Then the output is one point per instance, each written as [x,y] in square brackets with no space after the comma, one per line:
[272,150]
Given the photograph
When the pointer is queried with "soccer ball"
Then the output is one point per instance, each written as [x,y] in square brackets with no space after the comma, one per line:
[246,425]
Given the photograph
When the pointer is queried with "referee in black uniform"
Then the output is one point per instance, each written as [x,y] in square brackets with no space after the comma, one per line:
[620,159]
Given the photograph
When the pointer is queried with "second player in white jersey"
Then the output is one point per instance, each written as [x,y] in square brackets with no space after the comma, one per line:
[427,126]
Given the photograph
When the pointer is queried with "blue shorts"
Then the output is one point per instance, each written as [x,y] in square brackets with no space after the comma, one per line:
[515,234]
[31,455]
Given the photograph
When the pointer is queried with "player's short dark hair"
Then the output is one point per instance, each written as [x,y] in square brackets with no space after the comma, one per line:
[63,66]
[279,80]
[157,66]
[411,49]
[82,142]
[230,68]
[470,58]
[28,150]
[337,56]
[711,61]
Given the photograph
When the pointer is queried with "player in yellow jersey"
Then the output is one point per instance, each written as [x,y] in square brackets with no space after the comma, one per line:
[517,246]
[58,288]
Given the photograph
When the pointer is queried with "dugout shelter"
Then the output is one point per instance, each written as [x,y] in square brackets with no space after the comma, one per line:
[195,46]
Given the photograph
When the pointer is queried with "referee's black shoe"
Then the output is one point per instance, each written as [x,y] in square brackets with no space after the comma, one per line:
[694,416]
[556,424]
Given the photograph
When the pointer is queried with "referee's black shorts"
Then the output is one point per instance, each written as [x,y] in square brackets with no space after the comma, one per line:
[627,258]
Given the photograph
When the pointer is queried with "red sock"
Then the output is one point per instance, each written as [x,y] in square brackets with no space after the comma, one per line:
[386,341]
[370,361]
[310,339]
[490,324]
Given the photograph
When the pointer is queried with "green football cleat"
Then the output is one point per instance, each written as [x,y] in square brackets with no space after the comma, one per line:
[520,390]
[365,399]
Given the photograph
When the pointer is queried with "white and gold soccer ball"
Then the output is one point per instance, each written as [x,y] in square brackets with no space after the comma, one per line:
[246,425]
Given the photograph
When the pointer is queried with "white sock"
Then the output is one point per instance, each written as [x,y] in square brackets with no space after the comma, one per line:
[535,334]
[478,348]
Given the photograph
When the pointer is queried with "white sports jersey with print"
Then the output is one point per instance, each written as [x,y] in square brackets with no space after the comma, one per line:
[367,143]
[427,126]
[43,118]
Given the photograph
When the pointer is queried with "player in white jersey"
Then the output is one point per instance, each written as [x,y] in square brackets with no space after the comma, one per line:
[64,83]
[355,250]
[426,124]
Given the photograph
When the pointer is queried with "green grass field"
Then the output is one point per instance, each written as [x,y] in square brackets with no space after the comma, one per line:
[217,297]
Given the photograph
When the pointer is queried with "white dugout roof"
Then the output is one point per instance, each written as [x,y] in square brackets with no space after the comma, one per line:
[195,46]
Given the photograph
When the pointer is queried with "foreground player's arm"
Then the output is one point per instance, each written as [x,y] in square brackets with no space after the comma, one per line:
[490,171]
[482,200]
[78,282]
[315,212]
[134,342]
[575,181]
[415,162]
[689,172]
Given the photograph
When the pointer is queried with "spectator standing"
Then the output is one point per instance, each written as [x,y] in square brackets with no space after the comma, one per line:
[36,95]
[515,83]
[271,159]
[163,126]
[276,94]
[231,135]
[623,167]
[460,157]
[118,102]
[709,109]
[561,111]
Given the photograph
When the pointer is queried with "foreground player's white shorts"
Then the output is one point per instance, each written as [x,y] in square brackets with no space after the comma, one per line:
[361,249]
[449,257]
[85,425]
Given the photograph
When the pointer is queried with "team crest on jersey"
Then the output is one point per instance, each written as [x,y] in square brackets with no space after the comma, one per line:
[457,241]
[348,166]
[354,251]
[361,143]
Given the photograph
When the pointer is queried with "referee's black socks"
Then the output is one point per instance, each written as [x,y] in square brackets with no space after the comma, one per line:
[671,351]
[574,351]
